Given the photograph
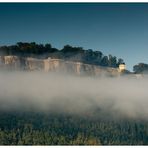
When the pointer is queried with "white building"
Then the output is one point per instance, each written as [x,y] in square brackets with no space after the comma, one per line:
[122,67]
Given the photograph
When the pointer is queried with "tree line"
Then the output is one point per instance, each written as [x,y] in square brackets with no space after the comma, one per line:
[68,52]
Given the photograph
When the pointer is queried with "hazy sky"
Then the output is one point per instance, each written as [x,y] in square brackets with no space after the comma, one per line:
[117,29]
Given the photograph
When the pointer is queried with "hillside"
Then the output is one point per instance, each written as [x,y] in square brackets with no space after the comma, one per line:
[70,96]
[68,53]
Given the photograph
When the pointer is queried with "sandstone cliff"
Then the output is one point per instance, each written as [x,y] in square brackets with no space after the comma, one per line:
[47,65]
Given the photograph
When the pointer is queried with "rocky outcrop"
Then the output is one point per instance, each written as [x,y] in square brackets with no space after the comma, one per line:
[47,65]
[10,62]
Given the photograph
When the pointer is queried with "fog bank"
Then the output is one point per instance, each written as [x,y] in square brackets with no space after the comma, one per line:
[120,96]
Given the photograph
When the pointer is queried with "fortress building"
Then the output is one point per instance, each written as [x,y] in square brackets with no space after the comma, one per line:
[122,67]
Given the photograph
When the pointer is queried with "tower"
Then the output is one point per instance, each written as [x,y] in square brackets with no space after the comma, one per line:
[122,67]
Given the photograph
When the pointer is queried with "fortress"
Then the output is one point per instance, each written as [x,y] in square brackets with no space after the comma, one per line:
[47,65]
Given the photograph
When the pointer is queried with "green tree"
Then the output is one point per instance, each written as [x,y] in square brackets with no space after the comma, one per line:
[140,68]
[105,61]
[112,61]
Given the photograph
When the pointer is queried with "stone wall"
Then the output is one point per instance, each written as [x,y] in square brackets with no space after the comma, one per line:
[47,65]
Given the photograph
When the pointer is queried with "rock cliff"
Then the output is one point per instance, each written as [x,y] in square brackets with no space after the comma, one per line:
[47,65]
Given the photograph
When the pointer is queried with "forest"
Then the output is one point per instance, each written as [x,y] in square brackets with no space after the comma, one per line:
[36,128]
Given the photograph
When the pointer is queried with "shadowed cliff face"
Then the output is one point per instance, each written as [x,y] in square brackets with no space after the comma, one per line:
[34,64]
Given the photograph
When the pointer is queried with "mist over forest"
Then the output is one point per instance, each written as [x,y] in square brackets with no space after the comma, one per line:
[56,108]
[72,94]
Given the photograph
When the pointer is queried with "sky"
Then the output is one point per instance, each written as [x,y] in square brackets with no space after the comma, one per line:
[120,29]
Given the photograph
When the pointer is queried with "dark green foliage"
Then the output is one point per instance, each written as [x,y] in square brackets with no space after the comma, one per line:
[141,68]
[105,61]
[59,129]
[67,53]
[112,61]
[68,48]
[120,61]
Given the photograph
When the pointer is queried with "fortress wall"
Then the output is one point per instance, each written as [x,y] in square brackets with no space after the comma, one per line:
[31,64]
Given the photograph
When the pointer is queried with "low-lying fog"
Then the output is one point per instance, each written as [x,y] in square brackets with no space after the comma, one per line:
[72,94]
